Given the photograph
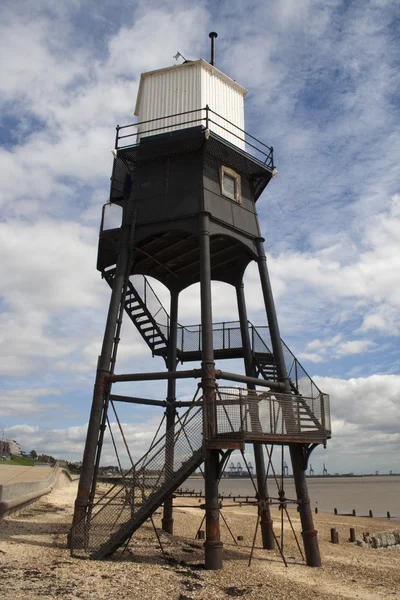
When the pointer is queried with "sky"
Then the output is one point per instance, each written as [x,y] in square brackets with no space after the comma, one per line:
[323,81]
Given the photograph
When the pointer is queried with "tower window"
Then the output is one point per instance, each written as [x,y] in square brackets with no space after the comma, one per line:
[230,184]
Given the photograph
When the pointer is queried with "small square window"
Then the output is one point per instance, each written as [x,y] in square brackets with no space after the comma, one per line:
[230,184]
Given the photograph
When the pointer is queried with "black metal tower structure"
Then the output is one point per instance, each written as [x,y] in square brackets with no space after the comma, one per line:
[187,184]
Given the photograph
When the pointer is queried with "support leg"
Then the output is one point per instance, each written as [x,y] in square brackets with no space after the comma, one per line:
[266,523]
[167,521]
[309,533]
[213,544]
[101,385]
[271,316]
[310,540]
[265,512]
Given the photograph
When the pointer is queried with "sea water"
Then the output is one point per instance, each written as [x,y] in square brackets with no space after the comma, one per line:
[362,494]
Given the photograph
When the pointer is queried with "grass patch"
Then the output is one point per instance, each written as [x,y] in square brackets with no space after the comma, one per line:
[18,460]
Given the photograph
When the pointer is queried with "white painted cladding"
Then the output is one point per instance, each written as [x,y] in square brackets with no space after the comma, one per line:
[190,87]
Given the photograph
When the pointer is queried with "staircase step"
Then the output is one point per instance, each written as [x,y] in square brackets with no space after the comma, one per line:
[140,315]
[146,328]
[152,337]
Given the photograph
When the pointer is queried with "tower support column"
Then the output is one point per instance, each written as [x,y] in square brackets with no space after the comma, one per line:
[309,532]
[271,315]
[102,383]
[262,488]
[167,521]
[213,544]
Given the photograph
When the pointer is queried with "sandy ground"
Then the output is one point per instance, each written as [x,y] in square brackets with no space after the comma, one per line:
[35,563]
[16,474]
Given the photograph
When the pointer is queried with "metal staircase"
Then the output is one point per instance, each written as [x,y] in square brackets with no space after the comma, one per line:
[149,316]
[265,365]
[154,334]
[136,496]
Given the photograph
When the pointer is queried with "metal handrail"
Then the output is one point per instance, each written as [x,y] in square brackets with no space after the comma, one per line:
[269,156]
[147,287]
[297,365]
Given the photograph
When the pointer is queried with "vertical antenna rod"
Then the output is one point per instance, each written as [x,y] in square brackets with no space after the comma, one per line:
[213,35]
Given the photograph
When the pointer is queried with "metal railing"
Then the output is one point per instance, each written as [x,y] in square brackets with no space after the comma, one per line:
[226,336]
[128,136]
[246,415]
[153,302]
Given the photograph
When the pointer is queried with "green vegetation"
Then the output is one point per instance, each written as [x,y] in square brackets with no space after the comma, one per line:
[18,460]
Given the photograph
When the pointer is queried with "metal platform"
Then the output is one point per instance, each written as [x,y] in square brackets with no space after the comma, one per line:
[244,416]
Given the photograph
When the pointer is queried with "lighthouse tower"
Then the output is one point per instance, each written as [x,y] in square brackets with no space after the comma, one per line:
[187,178]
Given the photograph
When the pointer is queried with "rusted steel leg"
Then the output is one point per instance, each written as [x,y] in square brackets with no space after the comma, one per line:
[267,533]
[309,533]
[213,544]
[167,521]
[101,384]
[271,315]
[266,522]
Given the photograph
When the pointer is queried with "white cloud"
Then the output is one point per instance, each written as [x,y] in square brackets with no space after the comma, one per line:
[69,443]
[354,347]
[314,358]
[26,401]
[372,403]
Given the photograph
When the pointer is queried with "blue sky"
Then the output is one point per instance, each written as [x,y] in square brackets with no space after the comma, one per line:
[323,83]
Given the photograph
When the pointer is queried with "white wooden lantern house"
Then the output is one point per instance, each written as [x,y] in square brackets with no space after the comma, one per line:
[176,98]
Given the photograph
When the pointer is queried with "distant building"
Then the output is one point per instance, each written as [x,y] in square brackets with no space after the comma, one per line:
[15,448]
[5,448]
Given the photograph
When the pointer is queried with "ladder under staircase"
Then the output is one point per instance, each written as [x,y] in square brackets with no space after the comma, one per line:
[135,497]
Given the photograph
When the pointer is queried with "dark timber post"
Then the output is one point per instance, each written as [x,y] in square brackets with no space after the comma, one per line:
[167,520]
[101,386]
[213,544]
[309,533]
[265,512]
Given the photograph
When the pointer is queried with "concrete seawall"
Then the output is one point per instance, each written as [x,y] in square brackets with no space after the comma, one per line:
[20,486]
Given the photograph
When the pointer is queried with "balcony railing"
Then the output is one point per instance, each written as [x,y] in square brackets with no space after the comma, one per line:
[249,416]
[129,136]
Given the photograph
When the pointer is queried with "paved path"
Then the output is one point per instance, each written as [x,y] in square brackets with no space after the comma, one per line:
[19,474]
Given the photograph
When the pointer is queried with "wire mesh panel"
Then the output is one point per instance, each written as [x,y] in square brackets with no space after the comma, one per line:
[260,339]
[299,376]
[124,507]
[226,336]
[249,416]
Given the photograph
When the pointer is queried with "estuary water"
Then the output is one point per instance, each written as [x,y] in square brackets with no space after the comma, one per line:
[377,493]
